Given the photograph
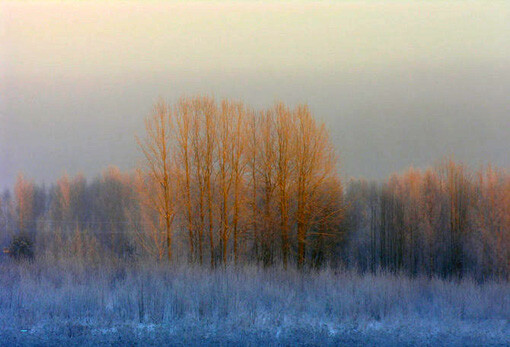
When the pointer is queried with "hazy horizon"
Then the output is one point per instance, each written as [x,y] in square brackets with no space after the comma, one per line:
[398,84]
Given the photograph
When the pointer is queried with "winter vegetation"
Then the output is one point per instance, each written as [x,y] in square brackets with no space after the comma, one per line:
[48,303]
[238,229]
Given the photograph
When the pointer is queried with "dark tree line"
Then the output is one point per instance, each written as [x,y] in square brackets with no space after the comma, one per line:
[442,221]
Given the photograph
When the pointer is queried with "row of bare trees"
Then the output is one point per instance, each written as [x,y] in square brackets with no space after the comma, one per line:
[239,180]
[73,216]
[222,182]
[442,221]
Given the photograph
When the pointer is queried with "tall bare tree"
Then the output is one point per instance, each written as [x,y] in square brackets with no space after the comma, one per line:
[315,164]
[184,136]
[285,153]
[158,170]
[24,194]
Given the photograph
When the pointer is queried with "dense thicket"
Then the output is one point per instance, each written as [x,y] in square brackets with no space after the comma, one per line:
[445,221]
[224,183]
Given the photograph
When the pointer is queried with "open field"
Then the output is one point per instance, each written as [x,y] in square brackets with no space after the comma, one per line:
[139,304]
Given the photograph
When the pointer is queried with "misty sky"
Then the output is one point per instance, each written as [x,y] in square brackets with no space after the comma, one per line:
[397,83]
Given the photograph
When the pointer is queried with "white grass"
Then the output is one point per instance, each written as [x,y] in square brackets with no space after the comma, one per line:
[70,302]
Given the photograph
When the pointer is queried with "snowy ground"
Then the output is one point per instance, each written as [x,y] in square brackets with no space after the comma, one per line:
[194,333]
[70,304]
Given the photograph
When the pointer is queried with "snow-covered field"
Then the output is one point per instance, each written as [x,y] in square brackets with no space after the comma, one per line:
[73,304]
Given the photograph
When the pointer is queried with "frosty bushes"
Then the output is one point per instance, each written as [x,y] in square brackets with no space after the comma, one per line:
[184,298]
[21,248]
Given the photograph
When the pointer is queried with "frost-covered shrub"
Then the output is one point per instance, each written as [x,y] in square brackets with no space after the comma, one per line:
[21,247]
[129,302]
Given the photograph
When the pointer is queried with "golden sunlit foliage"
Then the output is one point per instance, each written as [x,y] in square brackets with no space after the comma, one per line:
[221,169]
